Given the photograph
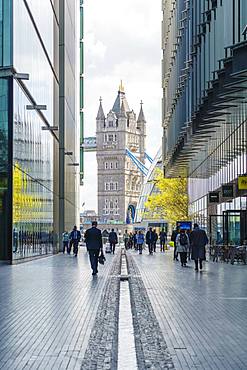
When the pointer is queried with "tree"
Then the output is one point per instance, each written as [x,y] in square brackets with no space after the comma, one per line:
[170,201]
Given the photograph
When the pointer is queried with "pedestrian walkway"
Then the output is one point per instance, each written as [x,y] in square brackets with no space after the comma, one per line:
[203,315]
[47,311]
[55,315]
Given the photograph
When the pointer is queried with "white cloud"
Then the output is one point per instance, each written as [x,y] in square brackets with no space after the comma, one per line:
[122,41]
[94,48]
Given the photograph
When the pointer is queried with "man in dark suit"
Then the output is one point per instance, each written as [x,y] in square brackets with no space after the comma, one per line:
[74,237]
[150,240]
[199,240]
[93,240]
[113,240]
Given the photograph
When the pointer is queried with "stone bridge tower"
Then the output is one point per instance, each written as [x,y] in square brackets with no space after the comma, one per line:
[119,180]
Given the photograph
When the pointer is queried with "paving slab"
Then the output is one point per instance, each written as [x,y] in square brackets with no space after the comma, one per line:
[47,310]
[203,315]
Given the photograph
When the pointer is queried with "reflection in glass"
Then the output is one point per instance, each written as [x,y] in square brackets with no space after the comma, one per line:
[4,207]
[32,182]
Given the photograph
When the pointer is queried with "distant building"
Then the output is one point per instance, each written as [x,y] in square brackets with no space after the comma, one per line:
[88,216]
[119,180]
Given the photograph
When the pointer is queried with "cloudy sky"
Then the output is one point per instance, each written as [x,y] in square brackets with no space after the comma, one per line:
[122,41]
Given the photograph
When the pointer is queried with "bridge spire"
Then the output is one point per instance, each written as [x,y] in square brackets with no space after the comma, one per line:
[141,117]
[101,114]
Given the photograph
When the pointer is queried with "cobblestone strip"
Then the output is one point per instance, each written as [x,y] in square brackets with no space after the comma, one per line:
[152,352]
[102,349]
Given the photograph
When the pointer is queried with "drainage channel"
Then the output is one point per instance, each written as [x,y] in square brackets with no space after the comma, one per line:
[126,339]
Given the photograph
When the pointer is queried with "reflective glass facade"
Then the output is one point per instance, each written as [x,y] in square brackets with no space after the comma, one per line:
[29,169]
[204,100]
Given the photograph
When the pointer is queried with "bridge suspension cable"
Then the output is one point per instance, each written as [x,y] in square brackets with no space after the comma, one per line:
[137,162]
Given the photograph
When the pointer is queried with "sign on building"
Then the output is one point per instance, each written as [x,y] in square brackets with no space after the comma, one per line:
[214,197]
[242,183]
[227,191]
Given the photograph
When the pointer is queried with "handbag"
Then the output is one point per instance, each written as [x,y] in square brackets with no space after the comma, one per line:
[102,258]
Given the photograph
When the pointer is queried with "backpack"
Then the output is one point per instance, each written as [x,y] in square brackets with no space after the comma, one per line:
[183,239]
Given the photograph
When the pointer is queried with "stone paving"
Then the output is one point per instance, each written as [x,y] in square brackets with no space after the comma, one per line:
[47,311]
[151,347]
[203,316]
[50,308]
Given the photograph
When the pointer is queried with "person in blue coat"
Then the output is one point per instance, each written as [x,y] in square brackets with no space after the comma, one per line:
[74,237]
[139,241]
[94,244]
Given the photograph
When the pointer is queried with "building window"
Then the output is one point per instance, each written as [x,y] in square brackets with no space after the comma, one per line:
[116,165]
[105,138]
[106,165]
[106,186]
[110,137]
[116,185]
[115,137]
[111,124]
[111,186]
[111,165]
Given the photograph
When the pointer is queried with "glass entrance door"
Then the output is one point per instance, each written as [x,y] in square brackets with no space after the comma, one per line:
[234,227]
[229,228]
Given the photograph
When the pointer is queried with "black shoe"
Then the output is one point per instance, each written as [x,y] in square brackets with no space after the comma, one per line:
[75,255]
[94,273]
[196,269]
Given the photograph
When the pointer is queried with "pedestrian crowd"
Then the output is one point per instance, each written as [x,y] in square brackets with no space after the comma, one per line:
[137,240]
[187,244]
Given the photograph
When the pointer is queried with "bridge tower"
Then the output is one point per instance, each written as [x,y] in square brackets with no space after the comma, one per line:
[119,180]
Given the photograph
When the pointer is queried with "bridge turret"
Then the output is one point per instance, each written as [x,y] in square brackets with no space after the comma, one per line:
[100,119]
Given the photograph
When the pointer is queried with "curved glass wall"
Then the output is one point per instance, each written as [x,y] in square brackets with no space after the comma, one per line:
[204,99]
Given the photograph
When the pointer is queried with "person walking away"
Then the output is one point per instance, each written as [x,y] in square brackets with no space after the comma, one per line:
[126,239]
[130,240]
[173,239]
[113,240]
[75,237]
[163,238]
[66,242]
[155,240]
[182,244]
[139,241]
[94,244]
[199,240]
[135,240]
[150,240]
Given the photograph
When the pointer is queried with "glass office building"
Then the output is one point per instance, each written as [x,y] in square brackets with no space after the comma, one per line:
[204,109]
[30,127]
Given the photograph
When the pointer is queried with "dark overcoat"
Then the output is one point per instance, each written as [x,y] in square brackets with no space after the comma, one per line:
[150,237]
[199,240]
[113,237]
[93,239]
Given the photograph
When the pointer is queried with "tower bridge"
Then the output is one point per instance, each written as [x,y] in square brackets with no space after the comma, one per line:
[120,150]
